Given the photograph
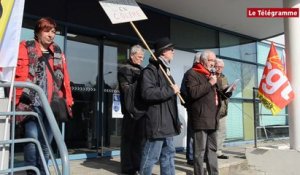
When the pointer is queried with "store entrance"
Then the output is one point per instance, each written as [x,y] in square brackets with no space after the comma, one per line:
[96,126]
[82,132]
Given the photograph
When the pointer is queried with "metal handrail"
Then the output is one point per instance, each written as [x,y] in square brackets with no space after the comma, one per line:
[257,117]
[24,168]
[52,121]
[33,114]
[24,141]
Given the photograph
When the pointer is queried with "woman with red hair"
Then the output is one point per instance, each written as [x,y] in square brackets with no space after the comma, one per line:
[32,66]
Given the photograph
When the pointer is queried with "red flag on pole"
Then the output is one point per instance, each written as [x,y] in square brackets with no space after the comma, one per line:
[275,90]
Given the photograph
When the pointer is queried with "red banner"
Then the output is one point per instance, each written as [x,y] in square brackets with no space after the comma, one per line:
[275,90]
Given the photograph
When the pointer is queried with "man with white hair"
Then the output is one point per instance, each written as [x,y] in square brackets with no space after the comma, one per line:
[203,107]
[132,135]
[222,84]
[189,137]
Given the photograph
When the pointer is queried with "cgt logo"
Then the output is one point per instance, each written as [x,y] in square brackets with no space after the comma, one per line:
[275,80]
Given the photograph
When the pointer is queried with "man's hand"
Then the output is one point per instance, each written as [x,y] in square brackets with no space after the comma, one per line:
[175,88]
[212,79]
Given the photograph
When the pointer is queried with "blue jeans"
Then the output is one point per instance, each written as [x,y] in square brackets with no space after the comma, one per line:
[155,150]
[33,130]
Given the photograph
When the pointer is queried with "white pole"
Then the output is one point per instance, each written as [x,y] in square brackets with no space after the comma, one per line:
[292,43]
[7,128]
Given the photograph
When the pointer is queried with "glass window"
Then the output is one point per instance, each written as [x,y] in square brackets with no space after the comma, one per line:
[82,55]
[27,34]
[247,75]
[237,47]
[263,52]
[260,71]
[188,36]
[232,70]
[249,79]
[215,50]
[266,117]
[115,53]
[235,121]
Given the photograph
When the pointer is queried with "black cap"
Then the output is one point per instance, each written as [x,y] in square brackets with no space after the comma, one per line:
[162,44]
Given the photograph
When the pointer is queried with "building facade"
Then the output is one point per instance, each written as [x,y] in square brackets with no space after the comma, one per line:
[95,48]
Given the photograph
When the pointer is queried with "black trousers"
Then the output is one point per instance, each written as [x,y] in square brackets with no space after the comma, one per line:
[132,144]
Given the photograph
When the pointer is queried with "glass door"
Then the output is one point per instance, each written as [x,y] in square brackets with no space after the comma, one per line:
[114,54]
[82,55]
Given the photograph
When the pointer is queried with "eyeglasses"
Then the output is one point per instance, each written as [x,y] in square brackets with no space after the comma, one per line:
[219,66]
[169,48]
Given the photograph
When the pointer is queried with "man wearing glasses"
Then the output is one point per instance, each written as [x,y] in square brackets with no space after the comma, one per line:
[162,122]
[204,104]
[222,83]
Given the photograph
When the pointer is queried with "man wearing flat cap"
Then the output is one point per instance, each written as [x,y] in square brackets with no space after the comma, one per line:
[162,122]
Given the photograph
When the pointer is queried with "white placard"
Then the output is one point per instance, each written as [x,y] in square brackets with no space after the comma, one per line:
[121,11]
[116,106]
[234,84]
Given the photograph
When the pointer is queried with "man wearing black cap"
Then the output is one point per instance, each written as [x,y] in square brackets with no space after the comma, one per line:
[162,122]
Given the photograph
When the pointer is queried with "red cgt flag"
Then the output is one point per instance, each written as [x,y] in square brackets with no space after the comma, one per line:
[275,90]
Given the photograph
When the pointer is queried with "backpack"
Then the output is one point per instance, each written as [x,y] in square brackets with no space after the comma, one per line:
[134,104]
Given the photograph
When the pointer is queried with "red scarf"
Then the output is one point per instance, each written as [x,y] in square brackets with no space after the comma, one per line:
[201,69]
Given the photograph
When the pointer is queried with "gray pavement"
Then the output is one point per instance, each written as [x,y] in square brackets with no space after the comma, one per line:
[235,165]
[111,166]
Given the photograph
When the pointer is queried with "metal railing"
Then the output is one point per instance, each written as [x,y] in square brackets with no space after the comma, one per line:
[257,117]
[61,146]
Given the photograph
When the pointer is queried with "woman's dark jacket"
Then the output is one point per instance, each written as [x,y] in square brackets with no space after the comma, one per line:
[203,108]
[162,114]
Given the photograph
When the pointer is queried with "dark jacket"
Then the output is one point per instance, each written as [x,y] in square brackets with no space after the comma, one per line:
[202,106]
[128,75]
[162,114]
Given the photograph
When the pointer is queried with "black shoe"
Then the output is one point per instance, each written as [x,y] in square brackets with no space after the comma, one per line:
[223,157]
[190,162]
[131,172]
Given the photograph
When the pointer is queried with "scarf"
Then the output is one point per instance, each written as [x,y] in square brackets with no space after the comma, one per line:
[166,64]
[201,69]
